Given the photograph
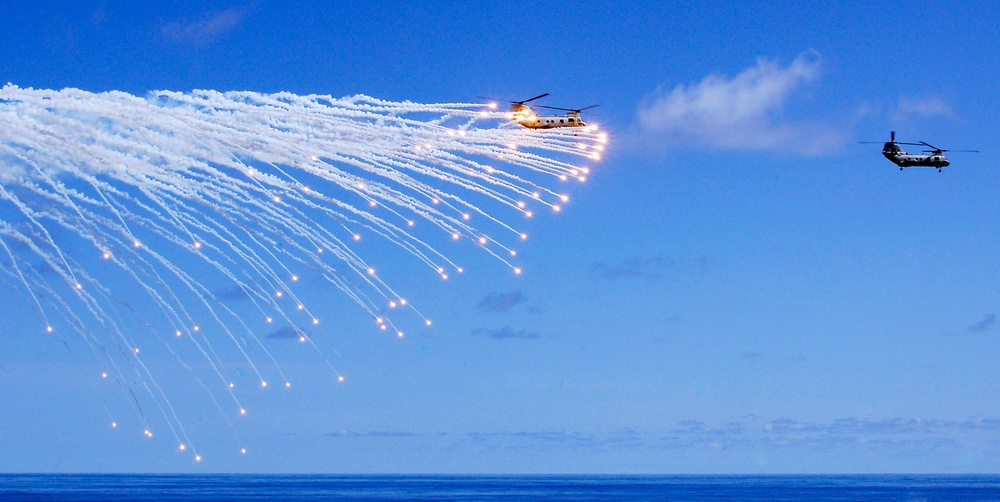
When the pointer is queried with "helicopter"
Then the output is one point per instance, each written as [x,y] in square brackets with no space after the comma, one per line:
[929,158]
[571,119]
[523,114]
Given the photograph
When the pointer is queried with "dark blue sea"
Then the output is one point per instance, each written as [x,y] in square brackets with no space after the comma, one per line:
[104,487]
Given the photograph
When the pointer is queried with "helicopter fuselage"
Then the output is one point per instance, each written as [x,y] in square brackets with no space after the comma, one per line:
[896,155]
[532,121]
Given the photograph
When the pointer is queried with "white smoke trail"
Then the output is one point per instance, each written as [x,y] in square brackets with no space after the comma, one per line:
[167,190]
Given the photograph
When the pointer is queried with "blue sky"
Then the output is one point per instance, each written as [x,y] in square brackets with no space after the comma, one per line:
[739,287]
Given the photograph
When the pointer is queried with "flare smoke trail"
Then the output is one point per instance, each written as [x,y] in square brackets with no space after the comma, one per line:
[121,215]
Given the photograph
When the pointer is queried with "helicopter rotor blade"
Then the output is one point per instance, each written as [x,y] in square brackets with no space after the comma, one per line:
[936,149]
[514,102]
[577,110]
[532,99]
[892,139]
[557,108]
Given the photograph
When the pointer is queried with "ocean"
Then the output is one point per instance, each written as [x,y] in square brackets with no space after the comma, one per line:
[225,487]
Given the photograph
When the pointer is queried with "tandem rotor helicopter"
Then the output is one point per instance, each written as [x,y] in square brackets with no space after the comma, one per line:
[523,114]
[929,158]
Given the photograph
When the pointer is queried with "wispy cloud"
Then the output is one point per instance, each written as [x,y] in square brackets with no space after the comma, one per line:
[535,439]
[507,333]
[343,433]
[741,113]
[652,268]
[285,333]
[896,433]
[512,440]
[987,323]
[929,437]
[501,302]
[234,293]
[910,107]
[205,30]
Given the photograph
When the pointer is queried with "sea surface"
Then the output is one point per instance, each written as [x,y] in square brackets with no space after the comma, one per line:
[137,487]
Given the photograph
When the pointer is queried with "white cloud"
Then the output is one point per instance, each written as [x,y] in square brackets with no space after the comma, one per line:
[910,107]
[205,30]
[739,113]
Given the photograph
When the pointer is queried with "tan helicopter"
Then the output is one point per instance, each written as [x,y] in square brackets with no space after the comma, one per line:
[523,114]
